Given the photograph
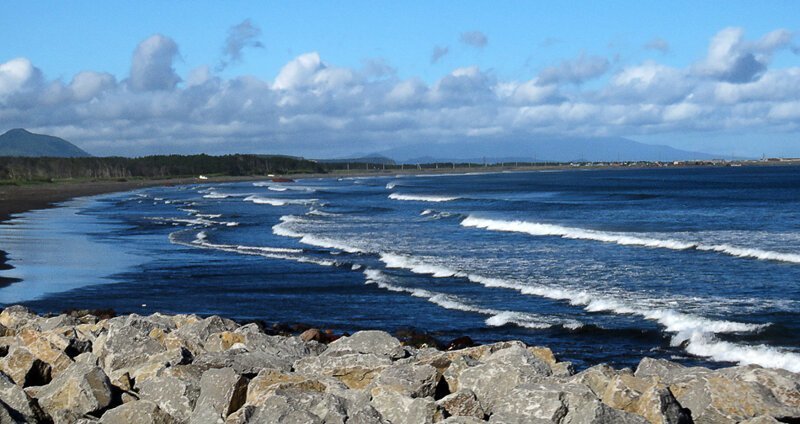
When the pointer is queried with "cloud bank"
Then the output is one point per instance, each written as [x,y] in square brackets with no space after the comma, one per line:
[316,108]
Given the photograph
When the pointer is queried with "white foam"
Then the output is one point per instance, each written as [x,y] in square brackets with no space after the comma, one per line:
[201,241]
[259,200]
[496,318]
[317,212]
[284,229]
[539,229]
[421,197]
[391,184]
[215,195]
[703,344]
[277,188]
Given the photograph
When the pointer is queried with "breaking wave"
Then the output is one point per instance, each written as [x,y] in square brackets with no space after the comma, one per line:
[284,229]
[497,318]
[421,197]
[539,229]
[259,200]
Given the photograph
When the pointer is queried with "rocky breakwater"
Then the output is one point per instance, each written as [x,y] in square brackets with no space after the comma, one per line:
[184,368]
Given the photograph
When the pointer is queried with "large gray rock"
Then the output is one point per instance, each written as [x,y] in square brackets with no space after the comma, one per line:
[287,405]
[666,371]
[462,403]
[356,371]
[737,394]
[367,342]
[398,408]
[222,392]
[173,395]
[196,333]
[411,380]
[553,402]
[127,343]
[137,412]
[18,404]
[80,389]
[492,382]
[519,356]
[244,362]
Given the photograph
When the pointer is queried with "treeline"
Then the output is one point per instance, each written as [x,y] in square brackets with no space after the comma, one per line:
[45,168]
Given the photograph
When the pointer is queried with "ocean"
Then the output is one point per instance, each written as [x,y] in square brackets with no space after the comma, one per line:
[696,265]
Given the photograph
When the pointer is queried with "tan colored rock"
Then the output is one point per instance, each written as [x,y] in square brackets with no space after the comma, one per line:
[24,368]
[79,390]
[729,395]
[15,317]
[597,378]
[137,412]
[462,403]
[222,341]
[356,371]
[544,354]
[647,397]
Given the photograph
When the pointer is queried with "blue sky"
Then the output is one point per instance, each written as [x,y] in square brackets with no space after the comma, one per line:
[582,52]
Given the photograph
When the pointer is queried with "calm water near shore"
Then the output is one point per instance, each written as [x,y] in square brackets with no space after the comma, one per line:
[696,265]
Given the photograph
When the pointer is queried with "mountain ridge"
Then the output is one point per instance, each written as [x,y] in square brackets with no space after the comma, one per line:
[23,143]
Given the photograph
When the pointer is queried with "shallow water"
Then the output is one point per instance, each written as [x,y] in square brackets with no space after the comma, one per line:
[696,265]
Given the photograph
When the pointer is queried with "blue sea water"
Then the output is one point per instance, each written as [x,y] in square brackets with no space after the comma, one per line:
[697,265]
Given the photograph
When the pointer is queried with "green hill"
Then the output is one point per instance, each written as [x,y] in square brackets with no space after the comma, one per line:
[20,142]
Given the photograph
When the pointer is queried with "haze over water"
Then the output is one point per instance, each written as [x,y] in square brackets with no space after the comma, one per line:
[696,265]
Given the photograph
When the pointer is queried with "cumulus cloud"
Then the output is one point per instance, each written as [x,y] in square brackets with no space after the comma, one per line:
[731,58]
[475,39]
[316,108]
[439,52]
[151,66]
[657,44]
[575,71]
[17,75]
[245,34]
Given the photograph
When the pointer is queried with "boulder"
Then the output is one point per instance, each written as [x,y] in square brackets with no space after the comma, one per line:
[462,403]
[398,408]
[597,378]
[80,389]
[356,371]
[172,395]
[127,343]
[377,343]
[287,404]
[137,412]
[666,371]
[222,341]
[518,356]
[733,395]
[19,404]
[15,317]
[412,380]
[24,368]
[195,334]
[222,392]
[492,382]
[646,397]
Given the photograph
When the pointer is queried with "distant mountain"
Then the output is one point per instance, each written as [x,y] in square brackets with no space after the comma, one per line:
[20,142]
[371,159]
[600,149]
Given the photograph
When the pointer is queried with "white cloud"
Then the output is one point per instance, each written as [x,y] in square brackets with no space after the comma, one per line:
[18,74]
[151,67]
[731,58]
[438,53]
